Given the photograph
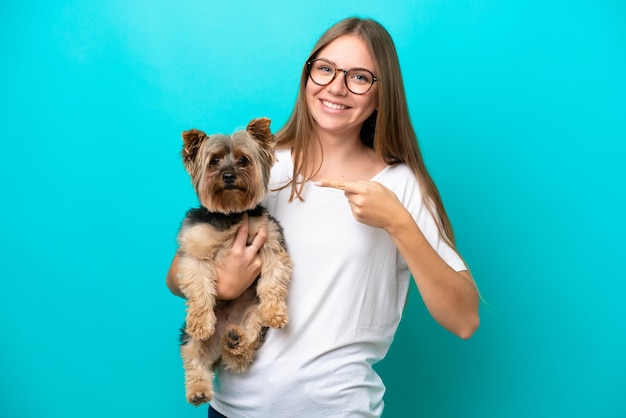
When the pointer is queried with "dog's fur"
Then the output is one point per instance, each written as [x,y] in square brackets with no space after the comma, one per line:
[230,175]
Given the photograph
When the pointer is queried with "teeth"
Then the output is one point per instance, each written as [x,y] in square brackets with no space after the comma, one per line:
[333,105]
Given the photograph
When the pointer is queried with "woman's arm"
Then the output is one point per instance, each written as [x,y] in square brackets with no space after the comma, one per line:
[242,267]
[172,278]
[451,297]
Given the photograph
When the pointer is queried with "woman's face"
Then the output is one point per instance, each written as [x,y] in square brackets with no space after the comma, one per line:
[336,110]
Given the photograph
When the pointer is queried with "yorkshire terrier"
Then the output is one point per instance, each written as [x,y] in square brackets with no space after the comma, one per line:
[230,175]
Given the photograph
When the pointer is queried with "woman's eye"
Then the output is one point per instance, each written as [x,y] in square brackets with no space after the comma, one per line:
[325,69]
[361,78]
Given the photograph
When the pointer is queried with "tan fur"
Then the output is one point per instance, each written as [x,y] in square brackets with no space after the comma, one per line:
[218,332]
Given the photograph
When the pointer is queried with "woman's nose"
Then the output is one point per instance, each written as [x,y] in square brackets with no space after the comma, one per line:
[338,85]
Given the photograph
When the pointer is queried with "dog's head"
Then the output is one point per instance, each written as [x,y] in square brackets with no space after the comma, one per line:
[230,174]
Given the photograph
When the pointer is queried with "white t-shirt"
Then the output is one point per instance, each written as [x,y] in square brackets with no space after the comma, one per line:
[348,290]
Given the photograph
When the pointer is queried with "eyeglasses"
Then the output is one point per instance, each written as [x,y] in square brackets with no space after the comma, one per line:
[323,72]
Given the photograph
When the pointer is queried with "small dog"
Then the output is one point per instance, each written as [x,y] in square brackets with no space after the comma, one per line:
[230,175]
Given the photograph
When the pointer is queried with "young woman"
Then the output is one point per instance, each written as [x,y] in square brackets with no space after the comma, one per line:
[361,215]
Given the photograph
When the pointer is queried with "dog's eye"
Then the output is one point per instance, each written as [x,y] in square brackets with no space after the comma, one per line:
[244,161]
[214,161]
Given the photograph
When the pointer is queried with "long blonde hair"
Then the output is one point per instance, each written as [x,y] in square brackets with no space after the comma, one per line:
[388,131]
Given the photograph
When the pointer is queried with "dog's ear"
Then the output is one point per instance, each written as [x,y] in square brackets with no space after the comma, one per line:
[192,140]
[260,129]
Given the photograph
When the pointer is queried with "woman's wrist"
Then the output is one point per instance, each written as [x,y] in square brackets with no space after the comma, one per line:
[399,221]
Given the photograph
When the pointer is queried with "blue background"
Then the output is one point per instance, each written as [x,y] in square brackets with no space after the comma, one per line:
[520,109]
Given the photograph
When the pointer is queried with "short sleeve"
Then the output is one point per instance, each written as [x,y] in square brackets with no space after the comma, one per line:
[401,180]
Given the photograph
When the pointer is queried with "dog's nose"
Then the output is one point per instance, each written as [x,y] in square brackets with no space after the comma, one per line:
[228,178]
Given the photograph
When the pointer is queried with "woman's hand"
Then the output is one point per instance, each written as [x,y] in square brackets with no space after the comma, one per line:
[243,263]
[241,267]
[371,203]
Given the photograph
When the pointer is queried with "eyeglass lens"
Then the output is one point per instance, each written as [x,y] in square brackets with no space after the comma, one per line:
[357,80]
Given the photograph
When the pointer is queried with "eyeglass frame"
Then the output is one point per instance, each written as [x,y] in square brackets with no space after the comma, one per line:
[309,63]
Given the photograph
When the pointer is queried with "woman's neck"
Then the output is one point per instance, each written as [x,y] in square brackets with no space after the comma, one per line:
[343,158]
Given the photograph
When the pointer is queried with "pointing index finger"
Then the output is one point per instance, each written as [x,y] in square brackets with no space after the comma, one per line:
[346,186]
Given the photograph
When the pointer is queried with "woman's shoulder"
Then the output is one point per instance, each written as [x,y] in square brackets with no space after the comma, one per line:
[283,160]
[400,179]
[283,155]
[396,173]
[283,167]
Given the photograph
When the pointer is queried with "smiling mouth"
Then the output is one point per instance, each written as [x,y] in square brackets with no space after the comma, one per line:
[333,106]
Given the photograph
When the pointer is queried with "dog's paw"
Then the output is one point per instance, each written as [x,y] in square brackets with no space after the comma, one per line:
[234,341]
[200,332]
[238,350]
[274,316]
[199,398]
[277,321]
